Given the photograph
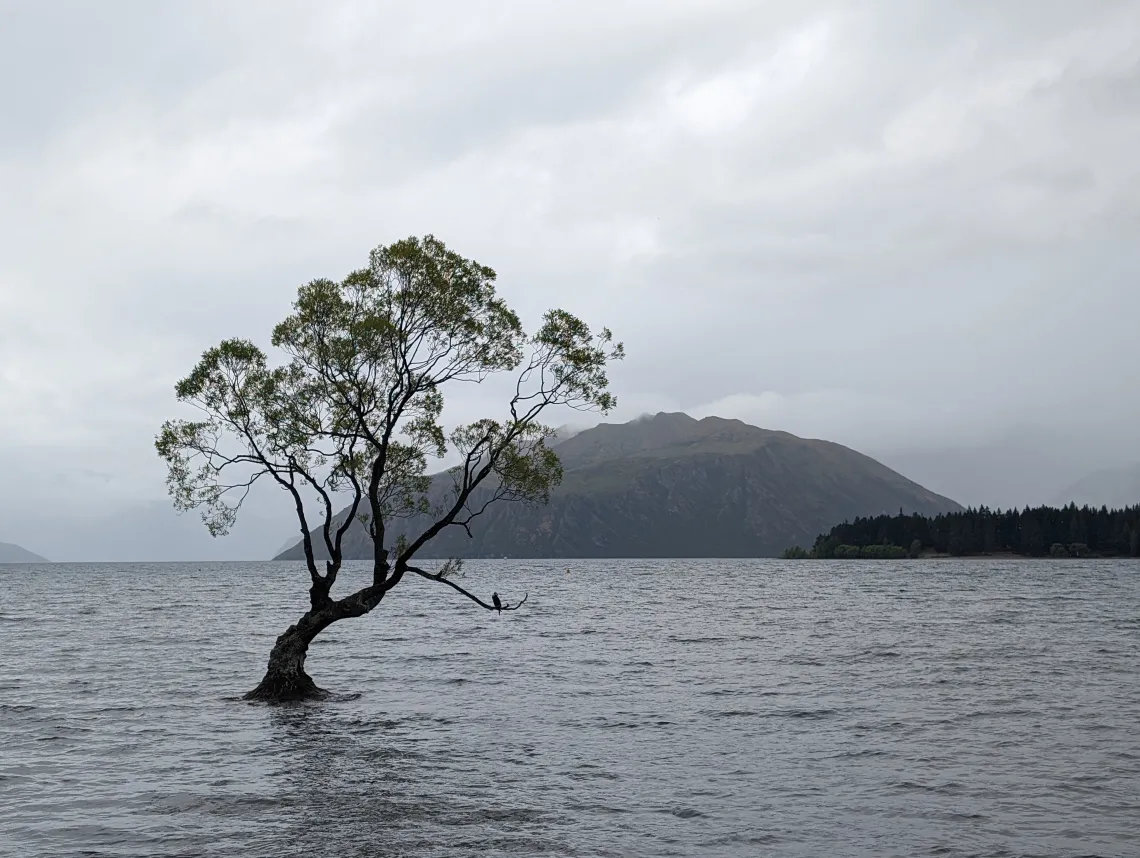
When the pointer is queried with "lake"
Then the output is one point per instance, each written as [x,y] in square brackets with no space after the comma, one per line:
[630,708]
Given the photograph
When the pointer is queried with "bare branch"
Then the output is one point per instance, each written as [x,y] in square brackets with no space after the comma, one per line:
[444,580]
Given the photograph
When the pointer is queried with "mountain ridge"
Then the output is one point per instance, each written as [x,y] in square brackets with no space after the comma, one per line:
[12,553]
[671,485]
[1115,488]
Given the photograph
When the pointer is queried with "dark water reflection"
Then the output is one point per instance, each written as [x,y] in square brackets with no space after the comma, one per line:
[632,708]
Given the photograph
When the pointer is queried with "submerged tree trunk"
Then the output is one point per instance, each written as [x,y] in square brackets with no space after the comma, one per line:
[285,679]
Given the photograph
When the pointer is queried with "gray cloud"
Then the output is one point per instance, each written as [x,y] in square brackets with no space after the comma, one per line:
[907,227]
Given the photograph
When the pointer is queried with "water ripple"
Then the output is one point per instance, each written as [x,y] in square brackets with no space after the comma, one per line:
[642,708]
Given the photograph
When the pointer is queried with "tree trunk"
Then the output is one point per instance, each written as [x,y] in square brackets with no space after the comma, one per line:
[285,678]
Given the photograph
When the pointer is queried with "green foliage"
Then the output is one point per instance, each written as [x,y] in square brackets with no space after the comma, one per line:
[849,551]
[353,414]
[265,410]
[576,358]
[884,552]
[1029,532]
[868,552]
[452,568]
[795,553]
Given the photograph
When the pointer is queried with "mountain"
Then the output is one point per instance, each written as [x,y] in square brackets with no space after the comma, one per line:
[292,541]
[1022,465]
[1115,488]
[1010,471]
[673,486]
[10,553]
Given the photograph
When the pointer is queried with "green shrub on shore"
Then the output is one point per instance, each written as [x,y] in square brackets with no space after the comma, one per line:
[884,552]
[869,552]
[852,552]
[795,553]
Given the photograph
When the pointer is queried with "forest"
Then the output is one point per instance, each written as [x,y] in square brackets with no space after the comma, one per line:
[1070,531]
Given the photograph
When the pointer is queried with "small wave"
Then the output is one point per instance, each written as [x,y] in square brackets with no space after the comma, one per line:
[729,692]
[591,773]
[345,697]
[330,697]
[16,707]
[993,713]
[948,788]
[686,813]
[1088,779]
[862,753]
[777,713]
[745,839]
[599,808]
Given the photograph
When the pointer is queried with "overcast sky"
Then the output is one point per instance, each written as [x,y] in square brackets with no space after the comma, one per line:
[908,227]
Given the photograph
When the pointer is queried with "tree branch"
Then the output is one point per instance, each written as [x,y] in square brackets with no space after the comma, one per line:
[471,596]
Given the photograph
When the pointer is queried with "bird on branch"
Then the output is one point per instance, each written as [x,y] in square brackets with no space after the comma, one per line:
[495,601]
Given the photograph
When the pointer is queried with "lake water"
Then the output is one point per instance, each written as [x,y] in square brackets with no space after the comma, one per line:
[631,708]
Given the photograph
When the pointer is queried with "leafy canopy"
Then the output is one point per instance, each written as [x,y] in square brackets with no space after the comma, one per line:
[353,411]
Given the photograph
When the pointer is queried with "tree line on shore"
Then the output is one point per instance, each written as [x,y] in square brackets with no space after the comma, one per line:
[1069,531]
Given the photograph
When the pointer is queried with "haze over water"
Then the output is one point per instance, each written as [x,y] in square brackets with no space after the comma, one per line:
[646,708]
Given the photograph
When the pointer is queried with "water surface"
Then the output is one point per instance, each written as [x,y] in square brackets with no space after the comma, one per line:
[631,708]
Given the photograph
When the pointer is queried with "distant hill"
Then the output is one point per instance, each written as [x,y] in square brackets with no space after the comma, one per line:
[1010,471]
[10,553]
[1115,488]
[287,545]
[673,486]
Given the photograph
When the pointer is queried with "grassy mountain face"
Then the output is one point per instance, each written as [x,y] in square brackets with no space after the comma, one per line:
[10,553]
[673,486]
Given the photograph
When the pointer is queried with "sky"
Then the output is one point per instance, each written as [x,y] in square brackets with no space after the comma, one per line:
[911,228]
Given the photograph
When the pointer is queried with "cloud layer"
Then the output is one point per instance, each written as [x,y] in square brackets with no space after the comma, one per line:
[906,227]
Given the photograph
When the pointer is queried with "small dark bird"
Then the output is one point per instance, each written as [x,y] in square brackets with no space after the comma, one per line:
[496,602]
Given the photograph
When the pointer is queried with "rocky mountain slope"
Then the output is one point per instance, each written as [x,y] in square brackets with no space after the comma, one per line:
[673,486]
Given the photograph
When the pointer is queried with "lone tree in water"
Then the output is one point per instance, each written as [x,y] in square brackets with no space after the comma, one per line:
[352,416]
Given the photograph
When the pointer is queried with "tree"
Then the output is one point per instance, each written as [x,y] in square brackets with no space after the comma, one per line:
[352,415]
